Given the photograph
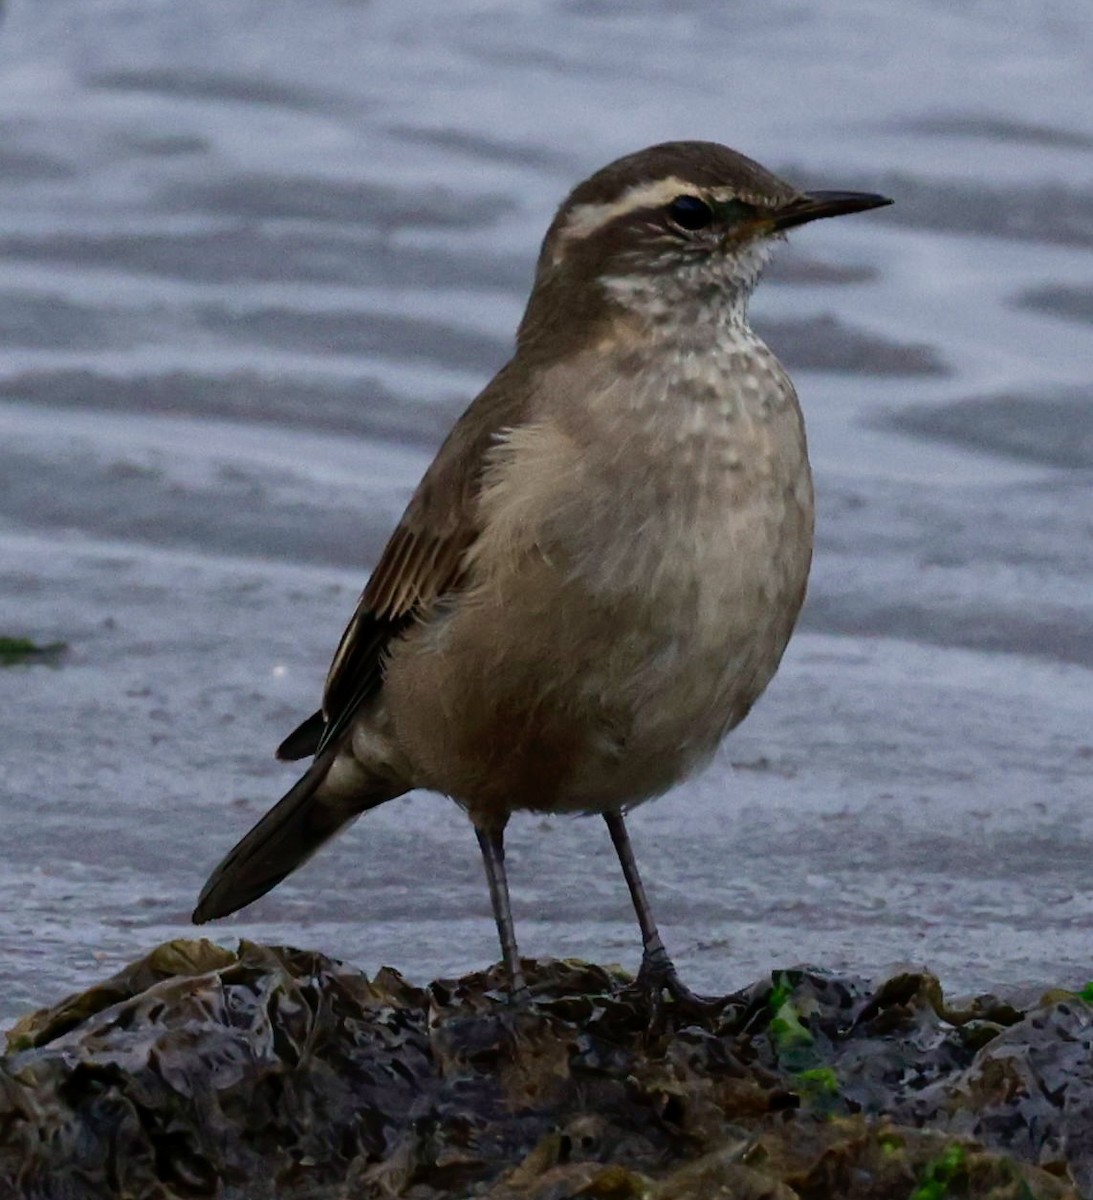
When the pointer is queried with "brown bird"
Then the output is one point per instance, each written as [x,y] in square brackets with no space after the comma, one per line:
[599,573]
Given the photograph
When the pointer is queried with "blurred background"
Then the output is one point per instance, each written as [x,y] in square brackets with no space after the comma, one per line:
[256,255]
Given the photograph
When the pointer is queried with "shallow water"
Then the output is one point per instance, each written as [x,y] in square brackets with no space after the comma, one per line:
[257,255]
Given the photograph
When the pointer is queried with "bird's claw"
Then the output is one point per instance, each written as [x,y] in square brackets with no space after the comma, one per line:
[657,976]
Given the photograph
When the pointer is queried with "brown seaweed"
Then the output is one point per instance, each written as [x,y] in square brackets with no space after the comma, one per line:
[270,1072]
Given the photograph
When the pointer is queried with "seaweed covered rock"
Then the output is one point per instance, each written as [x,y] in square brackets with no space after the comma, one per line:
[270,1072]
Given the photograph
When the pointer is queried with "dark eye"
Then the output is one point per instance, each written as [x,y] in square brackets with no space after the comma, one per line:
[689,212]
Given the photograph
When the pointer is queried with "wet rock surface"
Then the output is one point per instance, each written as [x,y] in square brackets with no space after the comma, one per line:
[200,1071]
[257,256]
[1052,430]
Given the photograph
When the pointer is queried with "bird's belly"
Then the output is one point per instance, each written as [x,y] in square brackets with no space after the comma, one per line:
[577,686]
[707,623]
[625,611]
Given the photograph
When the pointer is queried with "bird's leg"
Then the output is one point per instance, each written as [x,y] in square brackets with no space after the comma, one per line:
[493,854]
[657,970]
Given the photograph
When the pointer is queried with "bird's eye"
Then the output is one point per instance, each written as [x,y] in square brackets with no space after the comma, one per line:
[689,212]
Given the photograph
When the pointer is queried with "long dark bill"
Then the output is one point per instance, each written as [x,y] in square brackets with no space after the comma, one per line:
[811,206]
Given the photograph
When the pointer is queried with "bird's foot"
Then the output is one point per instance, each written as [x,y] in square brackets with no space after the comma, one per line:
[657,976]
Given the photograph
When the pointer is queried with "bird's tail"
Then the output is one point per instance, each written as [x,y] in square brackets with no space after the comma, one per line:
[285,838]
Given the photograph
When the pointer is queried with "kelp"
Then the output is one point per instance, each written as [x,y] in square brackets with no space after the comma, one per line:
[270,1072]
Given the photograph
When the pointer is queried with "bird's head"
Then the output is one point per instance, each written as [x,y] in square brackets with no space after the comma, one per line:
[667,233]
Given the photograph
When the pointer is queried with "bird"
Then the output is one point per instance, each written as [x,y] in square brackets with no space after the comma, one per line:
[598,575]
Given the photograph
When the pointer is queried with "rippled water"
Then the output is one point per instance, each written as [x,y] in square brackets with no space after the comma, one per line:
[257,254]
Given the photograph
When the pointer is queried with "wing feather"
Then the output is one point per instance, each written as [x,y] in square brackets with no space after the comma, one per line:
[424,559]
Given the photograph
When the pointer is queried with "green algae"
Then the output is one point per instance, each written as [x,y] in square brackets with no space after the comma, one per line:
[946,1172]
[15,651]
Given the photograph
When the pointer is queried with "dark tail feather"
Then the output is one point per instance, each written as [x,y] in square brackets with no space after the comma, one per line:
[304,740]
[284,839]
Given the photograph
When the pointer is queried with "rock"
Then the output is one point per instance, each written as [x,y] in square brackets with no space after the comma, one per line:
[271,1072]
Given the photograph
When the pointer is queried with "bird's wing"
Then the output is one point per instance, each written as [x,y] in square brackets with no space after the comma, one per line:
[422,562]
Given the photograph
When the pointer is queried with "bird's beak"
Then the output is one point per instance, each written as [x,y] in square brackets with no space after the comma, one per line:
[810,206]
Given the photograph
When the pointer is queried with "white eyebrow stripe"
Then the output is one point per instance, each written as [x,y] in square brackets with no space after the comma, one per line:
[587,218]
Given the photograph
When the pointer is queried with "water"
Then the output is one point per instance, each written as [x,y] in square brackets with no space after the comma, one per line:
[256,257]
